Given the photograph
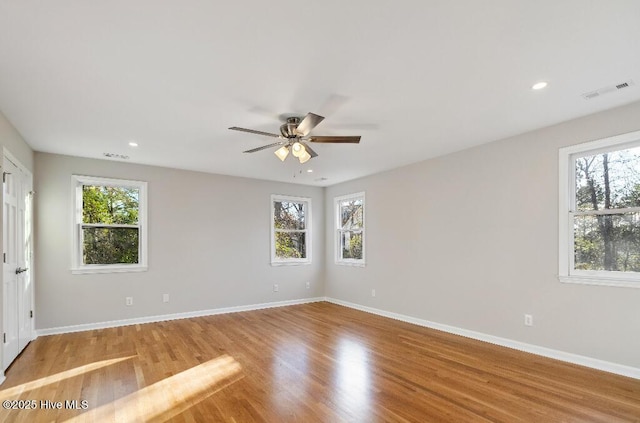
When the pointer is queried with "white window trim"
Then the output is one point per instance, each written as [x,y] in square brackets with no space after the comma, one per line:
[566,271]
[77,267]
[338,230]
[308,238]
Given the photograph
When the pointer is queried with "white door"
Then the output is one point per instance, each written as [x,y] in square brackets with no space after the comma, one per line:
[17,284]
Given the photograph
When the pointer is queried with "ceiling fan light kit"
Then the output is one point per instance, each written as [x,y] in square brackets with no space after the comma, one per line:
[304,157]
[282,152]
[297,149]
[294,136]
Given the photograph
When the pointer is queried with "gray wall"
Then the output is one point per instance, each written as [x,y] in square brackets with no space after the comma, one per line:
[471,240]
[209,240]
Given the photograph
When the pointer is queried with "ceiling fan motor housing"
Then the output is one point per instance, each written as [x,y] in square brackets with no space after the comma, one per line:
[288,130]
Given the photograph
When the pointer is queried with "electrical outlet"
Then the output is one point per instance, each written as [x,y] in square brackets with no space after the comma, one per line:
[165,298]
[128,301]
[528,320]
[373,292]
[308,285]
[275,287]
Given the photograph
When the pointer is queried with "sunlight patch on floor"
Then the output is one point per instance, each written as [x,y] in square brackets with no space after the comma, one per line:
[39,383]
[169,397]
[352,380]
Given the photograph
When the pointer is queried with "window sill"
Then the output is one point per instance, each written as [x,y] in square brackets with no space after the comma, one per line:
[354,263]
[107,269]
[587,280]
[290,263]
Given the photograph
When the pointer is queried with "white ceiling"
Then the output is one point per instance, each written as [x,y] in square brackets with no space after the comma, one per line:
[416,79]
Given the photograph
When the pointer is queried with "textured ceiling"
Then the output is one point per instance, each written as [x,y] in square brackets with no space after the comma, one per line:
[416,79]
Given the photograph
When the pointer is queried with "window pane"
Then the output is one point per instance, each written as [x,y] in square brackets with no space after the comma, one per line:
[110,205]
[607,242]
[351,244]
[289,215]
[291,245]
[110,245]
[608,180]
[351,214]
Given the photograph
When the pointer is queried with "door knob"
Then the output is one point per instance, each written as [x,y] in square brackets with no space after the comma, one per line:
[20,270]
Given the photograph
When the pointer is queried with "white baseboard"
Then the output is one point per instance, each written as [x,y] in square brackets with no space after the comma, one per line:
[581,360]
[175,316]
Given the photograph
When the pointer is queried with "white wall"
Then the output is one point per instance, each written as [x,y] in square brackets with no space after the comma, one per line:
[471,240]
[209,240]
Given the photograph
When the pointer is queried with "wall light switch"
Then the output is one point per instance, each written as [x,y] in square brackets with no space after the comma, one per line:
[165,298]
[128,301]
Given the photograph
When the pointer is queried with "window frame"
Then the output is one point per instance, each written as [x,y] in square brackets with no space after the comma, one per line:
[339,230]
[567,210]
[275,261]
[77,265]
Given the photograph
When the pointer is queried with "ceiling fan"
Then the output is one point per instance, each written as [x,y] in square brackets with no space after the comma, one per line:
[294,136]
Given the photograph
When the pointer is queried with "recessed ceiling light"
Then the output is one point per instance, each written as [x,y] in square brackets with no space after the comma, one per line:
[133,144]
[309,170]
[539,85]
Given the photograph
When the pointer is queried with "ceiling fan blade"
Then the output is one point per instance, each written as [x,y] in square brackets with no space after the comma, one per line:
[252,131]
[309,122]
[264,147]
[309,150]
[349,140]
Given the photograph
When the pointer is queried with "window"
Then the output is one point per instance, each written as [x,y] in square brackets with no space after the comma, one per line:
[350,229]
[290,230]
[109,225]
[600,212]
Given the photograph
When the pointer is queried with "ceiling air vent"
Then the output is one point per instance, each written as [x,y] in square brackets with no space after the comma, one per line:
[116,156]
[607,90]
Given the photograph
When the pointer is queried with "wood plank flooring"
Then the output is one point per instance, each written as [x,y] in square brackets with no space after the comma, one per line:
[316,362]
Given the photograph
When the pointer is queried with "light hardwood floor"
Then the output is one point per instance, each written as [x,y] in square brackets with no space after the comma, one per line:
[316,362]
